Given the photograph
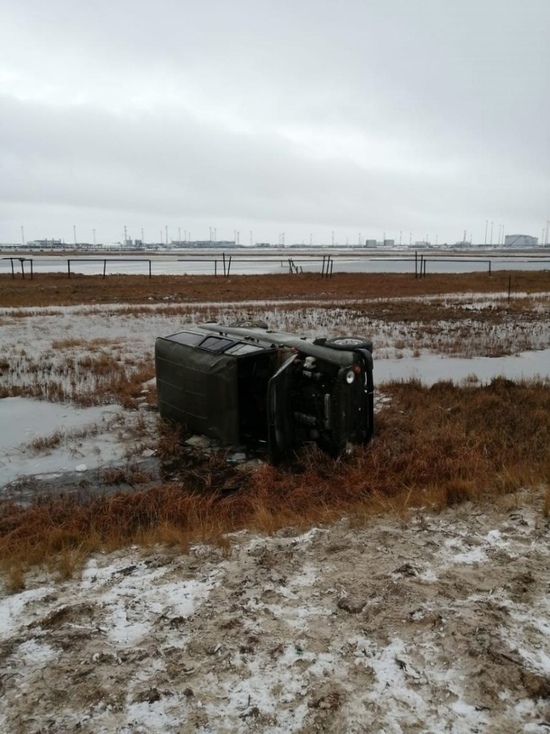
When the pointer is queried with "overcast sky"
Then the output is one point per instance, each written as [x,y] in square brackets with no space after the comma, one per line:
[308,117]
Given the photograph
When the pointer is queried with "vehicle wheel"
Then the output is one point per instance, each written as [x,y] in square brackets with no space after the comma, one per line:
[348,343]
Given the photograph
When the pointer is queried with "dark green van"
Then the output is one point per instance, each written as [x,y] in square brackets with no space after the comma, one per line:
[245,384]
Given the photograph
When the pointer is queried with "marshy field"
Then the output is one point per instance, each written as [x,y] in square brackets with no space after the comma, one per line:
[401,588]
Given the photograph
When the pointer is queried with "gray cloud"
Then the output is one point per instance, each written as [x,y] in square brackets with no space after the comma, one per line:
[389,115]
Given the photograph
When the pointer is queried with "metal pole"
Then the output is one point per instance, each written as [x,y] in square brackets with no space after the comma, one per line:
[32,271]
[149,268]
[104,266]
[68,268]
[12,270]
[229,266]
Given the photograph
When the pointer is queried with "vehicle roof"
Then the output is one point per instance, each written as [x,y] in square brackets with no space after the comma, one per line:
[269,339]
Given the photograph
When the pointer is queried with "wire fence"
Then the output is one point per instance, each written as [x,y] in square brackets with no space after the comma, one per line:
[223,265]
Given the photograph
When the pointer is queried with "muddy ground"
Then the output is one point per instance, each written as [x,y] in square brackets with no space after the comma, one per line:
[428,623]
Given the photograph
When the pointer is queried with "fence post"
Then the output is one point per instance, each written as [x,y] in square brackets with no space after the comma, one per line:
[149,268]
[229,265]
[68,268]
[104,266]
[32,271]
[490,267]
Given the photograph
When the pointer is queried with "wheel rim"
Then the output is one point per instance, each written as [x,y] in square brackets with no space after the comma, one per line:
[348,340]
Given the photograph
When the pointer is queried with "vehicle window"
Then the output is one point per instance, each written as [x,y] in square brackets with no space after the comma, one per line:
[186,337]
[240,349]
[216,343]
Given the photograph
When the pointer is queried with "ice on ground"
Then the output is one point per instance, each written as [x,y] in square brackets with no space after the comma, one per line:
[89,437]
[431,368]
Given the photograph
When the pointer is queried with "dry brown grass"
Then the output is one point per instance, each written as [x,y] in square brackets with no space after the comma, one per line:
[170,438]
[88,380]
[57,289]
[435,447]
[43,444]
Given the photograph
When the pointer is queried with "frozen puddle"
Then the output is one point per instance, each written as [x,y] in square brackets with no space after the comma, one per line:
[86,437]
[433,368]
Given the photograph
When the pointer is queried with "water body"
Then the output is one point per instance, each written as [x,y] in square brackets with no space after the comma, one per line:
[254,264]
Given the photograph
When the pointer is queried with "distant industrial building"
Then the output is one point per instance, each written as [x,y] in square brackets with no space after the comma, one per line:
[382,243]
[520,240]
[46,243]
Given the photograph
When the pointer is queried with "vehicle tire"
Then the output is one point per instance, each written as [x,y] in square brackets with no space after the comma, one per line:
[348,343]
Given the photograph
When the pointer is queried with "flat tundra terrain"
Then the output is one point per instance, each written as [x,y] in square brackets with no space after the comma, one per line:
[161,589]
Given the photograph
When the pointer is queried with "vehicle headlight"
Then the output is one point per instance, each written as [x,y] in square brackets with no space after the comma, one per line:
[350,377]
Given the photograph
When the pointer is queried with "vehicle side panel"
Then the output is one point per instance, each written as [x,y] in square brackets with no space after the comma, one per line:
[198,389]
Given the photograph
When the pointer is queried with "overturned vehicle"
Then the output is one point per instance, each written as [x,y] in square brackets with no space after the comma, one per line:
[246,385]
